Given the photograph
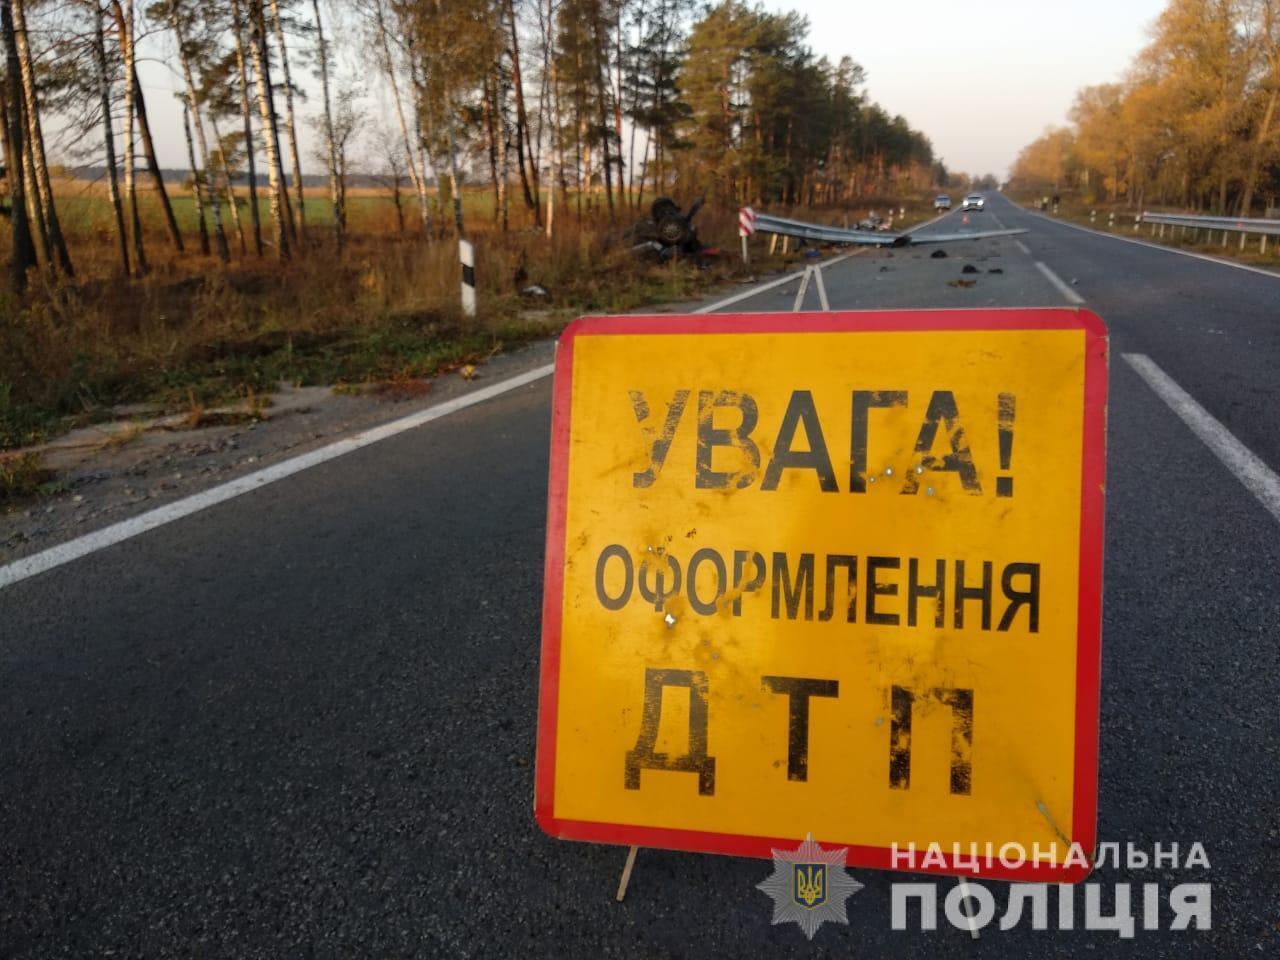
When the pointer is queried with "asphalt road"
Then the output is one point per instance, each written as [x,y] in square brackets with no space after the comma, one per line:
[301,723]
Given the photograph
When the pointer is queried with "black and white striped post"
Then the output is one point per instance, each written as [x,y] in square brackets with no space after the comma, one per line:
[467,254]
[746,227]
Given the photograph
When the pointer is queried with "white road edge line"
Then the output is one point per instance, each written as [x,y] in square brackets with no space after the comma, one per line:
[1160,246]
[1258,478]
[1023,247]
[63,553]
[1057,281]
[765,287]
[56,556]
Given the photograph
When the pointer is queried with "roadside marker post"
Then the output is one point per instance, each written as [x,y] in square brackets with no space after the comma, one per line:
[746,227]
[785,595]
[467,254]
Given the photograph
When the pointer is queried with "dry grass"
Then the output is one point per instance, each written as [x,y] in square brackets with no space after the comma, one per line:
[194,335]
[23,475]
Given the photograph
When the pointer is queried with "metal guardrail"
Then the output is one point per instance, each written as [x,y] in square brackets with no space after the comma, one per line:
[1266,228]
[784,227]
[1182,222]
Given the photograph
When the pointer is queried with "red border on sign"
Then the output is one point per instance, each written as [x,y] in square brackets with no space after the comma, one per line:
[1089,616]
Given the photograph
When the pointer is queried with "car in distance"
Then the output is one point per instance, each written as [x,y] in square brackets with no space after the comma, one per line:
[973,201]
[942,202]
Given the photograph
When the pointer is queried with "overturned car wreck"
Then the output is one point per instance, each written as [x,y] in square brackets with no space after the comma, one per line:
[667,231]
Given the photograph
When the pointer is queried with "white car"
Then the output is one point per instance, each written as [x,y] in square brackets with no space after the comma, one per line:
[973,201]
[942,202]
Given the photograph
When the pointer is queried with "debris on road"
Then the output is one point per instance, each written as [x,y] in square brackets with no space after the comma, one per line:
[938,254]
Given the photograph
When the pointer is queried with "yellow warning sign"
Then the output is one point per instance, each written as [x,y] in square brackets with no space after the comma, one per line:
[829,574]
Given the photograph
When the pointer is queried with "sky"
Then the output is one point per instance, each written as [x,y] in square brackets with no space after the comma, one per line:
[980,79]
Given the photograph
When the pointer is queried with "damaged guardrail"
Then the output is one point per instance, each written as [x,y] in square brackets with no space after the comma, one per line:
[785,227]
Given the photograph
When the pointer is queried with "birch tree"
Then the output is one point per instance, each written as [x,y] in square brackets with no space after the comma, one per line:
[22,253]
[246,119]
[55,240]
[193,105]
[300,209]
[108,133]
[270,131]
[382,39]
[331,152]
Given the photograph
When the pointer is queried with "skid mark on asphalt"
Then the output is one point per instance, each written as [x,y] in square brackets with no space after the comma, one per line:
[1248,468]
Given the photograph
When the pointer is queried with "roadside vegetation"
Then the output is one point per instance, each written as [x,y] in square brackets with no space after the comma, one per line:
[539,130]
[1193,126]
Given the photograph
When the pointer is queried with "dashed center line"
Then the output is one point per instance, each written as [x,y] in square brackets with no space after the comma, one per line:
[1023,247]
[1258,478]
[1057,281]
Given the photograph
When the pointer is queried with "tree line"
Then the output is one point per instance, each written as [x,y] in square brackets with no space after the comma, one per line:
[562,107]
[1192,124]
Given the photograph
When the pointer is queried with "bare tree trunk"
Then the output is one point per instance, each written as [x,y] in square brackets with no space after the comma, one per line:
[644,169]
[424,155]
[557,153]
[486,110]
[617,108]
[335,191]
[35,134]
[522,119]
[395,198]
[193,104]
[605,160]
[246,114]
[454,179]
[226,183]
[270,131]
[153,165]
[504,161]
[22,256]
[1255,159]
[300,213]
[124,30]
[35,212]
[197,194]
[132,92]
[108,138]
[419,184]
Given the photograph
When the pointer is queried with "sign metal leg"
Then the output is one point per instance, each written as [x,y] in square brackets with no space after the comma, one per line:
[626,875]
